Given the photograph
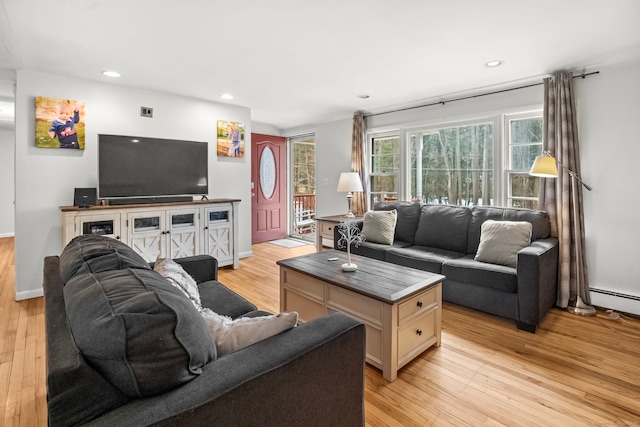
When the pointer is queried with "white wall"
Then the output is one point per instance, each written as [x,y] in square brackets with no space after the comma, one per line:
[7,224]
[608,113]
[333,156]
[45,178]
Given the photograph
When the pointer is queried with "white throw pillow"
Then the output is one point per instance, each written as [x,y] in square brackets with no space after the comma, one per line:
[380,226]
[232,335]
[179,278]
[229,334]
[500,241]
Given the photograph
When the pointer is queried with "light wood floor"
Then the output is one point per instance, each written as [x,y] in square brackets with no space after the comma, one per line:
[573,371]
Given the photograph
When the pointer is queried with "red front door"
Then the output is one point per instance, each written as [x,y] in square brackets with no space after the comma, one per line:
[269,187]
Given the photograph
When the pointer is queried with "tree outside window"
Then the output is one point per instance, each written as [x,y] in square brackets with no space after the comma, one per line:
[453,165]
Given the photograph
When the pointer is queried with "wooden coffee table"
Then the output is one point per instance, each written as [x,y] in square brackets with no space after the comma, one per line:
[401,307]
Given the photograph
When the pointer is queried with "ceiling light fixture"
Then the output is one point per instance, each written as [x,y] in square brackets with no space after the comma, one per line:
[493,64]
[111,73]
[363,96]
[226,96]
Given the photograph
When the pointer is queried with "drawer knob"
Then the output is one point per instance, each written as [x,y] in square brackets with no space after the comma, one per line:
[419,303]
[419,332]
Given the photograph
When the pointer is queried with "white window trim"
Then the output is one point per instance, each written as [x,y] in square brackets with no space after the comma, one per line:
[500,120]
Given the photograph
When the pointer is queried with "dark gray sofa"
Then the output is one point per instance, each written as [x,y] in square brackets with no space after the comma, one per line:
[444,239]
[309,375]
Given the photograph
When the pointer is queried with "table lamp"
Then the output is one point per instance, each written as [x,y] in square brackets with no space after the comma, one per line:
[349,182]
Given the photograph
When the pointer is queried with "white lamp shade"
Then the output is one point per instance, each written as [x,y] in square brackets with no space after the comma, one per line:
[545,167]
[349,181]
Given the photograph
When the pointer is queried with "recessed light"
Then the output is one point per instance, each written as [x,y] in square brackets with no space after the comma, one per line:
[111,73]
[493,64]
[226,96]
[363,96]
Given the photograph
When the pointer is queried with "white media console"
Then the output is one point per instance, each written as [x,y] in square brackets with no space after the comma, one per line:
[168,230]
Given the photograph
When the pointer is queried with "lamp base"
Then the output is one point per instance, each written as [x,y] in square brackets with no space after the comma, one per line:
[348,266]
[349,215]
[580,308]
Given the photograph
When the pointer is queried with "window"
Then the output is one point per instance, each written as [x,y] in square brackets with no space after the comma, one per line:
[385,168]
[484,161]
[524,141]
[453,165]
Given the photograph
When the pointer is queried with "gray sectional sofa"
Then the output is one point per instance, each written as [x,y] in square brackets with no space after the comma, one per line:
[444,239]
[152,362]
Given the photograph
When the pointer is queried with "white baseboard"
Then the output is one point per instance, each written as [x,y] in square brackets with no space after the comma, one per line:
[34,293]
[615,302]
[245,254]
[7,235]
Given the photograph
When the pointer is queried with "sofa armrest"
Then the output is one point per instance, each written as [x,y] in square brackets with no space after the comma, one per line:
[537,271]
[312,372]
[336,234]
[201,267]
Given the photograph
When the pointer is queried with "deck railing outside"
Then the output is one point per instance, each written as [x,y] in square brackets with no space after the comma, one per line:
[304,213]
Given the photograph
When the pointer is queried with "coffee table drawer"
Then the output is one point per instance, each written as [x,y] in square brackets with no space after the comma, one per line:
[421,302]
[416,333]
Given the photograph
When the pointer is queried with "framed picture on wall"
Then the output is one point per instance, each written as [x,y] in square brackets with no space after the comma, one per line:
[60,123]
[230,137]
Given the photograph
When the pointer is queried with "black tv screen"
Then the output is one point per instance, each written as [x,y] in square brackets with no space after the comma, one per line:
[131,166]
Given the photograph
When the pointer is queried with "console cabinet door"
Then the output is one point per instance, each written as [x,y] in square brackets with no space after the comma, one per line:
[219,233]
[183,232]
[147,234]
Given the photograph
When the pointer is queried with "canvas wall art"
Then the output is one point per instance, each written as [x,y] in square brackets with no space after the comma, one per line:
[230,138]
[60,123]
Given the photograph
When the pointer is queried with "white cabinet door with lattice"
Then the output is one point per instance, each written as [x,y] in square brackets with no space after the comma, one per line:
[219,233]
[147,233]
[183,232]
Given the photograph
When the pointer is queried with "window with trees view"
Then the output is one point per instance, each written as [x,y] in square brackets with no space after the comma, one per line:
[453,165]
[464,164]
[525,144]
[385,168]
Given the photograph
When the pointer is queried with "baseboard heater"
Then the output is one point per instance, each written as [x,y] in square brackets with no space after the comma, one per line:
[615,294]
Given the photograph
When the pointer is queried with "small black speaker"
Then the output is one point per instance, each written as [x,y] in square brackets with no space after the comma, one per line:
[84,197]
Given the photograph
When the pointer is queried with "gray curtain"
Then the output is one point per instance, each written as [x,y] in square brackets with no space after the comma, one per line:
[557,196]
[359,204]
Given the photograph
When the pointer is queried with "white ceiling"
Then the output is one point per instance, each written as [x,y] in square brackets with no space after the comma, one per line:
[300,62]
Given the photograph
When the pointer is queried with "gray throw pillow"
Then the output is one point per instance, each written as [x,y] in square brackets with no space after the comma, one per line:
[136,329]
[500,241]
[380,226]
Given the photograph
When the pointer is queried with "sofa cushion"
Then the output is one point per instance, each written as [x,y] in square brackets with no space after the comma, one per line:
[376,250]
[443,226]
[468,270]
[500,241]
[139,331]
[407,222]
[217,297]
[541,228]
[90,253]
[421,257]
[380,226]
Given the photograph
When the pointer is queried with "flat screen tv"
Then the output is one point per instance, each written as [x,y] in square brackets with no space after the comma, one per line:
[135,169]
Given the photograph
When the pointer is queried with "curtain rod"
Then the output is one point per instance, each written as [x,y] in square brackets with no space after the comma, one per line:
[583,75]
